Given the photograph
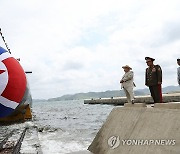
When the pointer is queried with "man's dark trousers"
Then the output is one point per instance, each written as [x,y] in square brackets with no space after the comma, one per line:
[156,93]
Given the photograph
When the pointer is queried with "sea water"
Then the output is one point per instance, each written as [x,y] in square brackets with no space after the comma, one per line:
[66,126]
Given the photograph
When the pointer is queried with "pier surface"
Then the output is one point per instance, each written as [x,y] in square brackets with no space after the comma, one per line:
[174,97]
[135,129]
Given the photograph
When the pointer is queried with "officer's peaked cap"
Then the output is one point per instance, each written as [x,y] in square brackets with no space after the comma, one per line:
[152,59]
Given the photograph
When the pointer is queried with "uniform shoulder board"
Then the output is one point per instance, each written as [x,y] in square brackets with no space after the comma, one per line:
[158,67]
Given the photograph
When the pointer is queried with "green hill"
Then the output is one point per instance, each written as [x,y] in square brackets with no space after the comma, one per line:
[108,94]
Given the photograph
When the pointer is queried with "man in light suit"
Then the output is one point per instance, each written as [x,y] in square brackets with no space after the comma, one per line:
[127,83]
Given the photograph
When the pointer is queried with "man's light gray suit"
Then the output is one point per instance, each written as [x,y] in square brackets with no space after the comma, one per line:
[128,85]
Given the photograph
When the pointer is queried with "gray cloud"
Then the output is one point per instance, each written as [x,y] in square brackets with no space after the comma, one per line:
[172,31]
[80,46]
[72,66]
[169,33]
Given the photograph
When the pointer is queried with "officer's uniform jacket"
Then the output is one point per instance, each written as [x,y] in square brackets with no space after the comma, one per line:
[153,75]
[128,80]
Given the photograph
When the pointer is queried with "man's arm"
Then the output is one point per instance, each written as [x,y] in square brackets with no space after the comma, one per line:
[128,76]
[159,74]
[146,77]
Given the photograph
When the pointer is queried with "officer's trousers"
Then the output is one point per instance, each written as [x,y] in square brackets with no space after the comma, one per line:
[156,93]
[129,94]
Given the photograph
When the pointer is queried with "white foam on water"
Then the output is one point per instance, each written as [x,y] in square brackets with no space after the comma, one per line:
[68,126]
[61,127]
[81,152]
[30,142]
[29,124]
[54,144]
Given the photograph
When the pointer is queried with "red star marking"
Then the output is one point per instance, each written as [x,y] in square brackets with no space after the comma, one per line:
[2,71]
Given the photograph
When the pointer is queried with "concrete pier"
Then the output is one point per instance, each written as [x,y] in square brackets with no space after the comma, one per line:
[175,97]
[134,129]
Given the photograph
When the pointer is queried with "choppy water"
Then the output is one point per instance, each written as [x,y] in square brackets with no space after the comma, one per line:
[66,126]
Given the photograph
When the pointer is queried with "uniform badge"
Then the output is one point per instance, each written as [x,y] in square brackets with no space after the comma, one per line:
[154,70]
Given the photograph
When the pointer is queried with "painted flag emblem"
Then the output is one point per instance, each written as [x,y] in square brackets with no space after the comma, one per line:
[12,83]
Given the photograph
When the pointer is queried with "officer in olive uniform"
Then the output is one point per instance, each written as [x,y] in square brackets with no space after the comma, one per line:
[154,79]
[178,71]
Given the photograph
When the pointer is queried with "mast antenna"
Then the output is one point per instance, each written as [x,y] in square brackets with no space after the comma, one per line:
[4,41]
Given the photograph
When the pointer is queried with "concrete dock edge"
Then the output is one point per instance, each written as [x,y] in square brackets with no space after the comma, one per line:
[161,125]
[175,97]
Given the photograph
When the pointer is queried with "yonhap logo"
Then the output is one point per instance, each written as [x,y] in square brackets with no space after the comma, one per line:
[114,142]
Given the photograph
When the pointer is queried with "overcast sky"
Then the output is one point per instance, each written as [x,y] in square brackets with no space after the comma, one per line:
[77,46]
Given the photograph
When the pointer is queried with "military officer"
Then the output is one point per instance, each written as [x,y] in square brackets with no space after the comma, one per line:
[127,83]
[178,71]
[154,79]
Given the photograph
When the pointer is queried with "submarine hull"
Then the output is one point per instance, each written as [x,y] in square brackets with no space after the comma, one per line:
[15,96]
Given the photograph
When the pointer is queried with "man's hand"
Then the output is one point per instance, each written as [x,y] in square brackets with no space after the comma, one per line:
[121,81]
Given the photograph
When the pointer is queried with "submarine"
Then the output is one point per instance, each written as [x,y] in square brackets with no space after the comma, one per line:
[15,95]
